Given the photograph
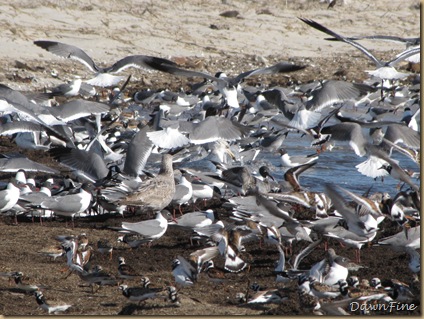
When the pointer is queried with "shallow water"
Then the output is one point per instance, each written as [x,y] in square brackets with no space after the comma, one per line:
[336,166]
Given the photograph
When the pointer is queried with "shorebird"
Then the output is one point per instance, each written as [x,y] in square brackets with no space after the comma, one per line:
[155,193]
[184,273]
[41,301]
[214,275]
[97,276]
[125,271]
[104,246]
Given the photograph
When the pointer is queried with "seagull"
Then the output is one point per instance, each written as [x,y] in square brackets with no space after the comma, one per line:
[293,161]
[183,192]
[104,76]
[385,69]
[68,205]
[403,240]
[13,164]
[67,89]
[151,229]
[194,220]
[9,197]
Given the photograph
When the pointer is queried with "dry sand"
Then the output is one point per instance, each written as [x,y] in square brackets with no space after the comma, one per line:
[110,30]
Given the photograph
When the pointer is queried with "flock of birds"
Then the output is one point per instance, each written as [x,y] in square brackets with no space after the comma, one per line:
[155,150]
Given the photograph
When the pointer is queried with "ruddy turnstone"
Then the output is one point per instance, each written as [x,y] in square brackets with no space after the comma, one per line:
[125,271]
[268,296]
[214,275]
[24,287]
[41,301]
[104,246]
[139,293]
[184,273]
[98,277]
[133,240]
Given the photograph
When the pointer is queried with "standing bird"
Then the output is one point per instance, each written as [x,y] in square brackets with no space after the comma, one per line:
[68,205]
[104,246]
[125,271]
[183,192]
[41,301]
[184,273]
[156,193]
[151,229]
[9,197]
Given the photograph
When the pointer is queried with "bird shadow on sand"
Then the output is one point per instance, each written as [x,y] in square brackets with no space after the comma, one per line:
[131,308]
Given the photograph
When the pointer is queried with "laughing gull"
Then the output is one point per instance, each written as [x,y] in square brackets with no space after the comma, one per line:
[385,70]
[229,87]
[68,205]
[86,164]
[9,197]
[403,240]
[12,163]
[213,128]
[104,75]
[194,220]
[332,92]
[183,192]
[222,79]
[411,118]
[151,229]
[76,109]
[67,89]
[407,41]
[12,101]
[293,161]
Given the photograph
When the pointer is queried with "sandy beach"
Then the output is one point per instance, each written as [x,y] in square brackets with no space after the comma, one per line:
[109,30]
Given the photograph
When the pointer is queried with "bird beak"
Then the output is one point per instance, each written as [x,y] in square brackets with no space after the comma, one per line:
[231,154]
